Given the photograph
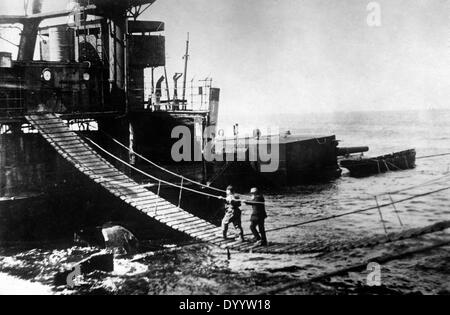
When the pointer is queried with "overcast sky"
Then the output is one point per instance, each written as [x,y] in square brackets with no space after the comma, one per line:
[300,56]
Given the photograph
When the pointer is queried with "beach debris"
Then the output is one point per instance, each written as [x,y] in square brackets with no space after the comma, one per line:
[102,261]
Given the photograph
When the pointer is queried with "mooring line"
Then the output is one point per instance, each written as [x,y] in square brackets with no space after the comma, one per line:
[432,156]
[358,211]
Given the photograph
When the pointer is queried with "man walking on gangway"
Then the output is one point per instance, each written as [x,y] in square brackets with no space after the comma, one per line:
[258,216]
[233,213]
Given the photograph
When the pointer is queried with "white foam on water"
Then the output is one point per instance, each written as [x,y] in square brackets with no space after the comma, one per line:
[10,285]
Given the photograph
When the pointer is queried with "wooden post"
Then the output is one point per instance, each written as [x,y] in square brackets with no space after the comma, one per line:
[126,65]
[152,90]
[205,140]
[158,194]
[167,89]
[192,93]
[132,156]
[396,211]
[381,218]
[236,135]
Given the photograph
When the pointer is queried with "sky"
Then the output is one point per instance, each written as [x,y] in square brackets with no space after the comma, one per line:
[299,56]
[302,56]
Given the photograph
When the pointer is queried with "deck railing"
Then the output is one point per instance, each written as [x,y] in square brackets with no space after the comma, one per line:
[12,102]
[197,98]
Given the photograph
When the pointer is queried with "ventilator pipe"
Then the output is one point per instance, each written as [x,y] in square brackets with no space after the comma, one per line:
[158,92]
[176,77]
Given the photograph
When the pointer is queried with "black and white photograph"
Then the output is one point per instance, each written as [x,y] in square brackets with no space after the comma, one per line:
[218,148]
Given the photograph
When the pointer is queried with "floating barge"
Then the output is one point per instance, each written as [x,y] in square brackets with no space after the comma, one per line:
[361,167]
[298,160]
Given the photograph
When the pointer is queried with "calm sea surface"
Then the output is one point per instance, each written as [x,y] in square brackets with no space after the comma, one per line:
[200,269]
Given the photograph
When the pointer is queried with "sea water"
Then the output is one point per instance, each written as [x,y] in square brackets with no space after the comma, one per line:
[200,269]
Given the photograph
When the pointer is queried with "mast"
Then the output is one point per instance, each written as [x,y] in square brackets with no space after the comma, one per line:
[186,59]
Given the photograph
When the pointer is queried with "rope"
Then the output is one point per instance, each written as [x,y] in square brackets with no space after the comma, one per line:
[432,156]
[226,166]
[429,182]
[148,175]
[358,211]
[398,168]
[160,167]
[9,42]
[220,173]
[181,192]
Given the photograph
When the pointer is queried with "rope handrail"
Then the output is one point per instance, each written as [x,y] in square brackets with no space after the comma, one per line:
[359,211]
[429,182]
[158,179]
[160,167]
[148,175]
[280,228]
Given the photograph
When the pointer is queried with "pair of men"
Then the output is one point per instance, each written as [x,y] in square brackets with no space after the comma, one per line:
[233,215]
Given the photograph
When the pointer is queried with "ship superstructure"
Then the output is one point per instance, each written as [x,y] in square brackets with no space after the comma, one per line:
[93,64]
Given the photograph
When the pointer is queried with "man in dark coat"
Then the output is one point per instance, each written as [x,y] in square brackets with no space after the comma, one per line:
[258,217]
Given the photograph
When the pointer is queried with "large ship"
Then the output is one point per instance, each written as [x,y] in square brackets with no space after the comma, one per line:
[94,65]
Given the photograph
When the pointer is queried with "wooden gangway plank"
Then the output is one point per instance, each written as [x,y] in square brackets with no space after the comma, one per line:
[75,150]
